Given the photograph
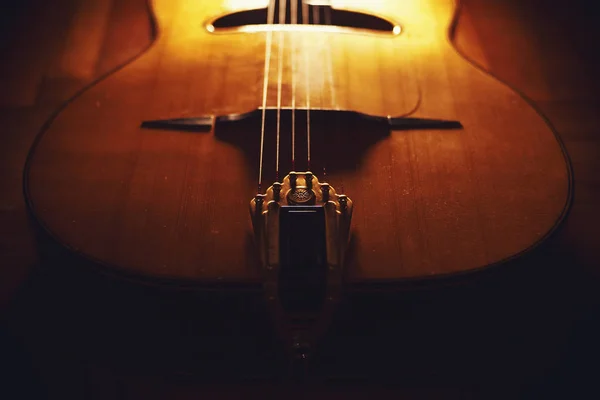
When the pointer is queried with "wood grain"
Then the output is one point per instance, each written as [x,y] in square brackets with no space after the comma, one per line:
[174,204]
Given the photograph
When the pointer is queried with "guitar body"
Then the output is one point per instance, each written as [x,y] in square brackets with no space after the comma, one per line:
[174,204]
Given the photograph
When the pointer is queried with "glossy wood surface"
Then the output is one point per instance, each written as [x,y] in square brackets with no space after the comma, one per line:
[174,204]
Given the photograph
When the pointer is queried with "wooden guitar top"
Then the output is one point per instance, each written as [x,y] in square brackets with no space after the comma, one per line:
[174,204]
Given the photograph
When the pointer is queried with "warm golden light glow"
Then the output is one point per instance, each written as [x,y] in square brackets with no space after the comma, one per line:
[397,30]
[292,28]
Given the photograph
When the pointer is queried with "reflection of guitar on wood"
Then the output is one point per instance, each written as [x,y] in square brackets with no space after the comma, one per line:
[427,201]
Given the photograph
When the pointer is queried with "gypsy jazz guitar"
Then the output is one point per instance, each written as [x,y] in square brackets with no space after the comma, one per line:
[298,145]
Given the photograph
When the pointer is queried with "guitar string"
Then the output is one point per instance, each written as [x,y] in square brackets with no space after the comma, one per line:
[281,42]
[329,61]
[332,89]
[294,21]
[316,13]
[306,21]
[269,39]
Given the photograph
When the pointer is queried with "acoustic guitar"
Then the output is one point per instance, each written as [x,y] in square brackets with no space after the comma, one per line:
[297,146]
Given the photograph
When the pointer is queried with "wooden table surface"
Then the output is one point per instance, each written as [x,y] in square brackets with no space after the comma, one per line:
[51,49]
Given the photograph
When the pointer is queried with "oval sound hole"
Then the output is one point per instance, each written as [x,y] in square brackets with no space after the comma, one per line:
[317,13]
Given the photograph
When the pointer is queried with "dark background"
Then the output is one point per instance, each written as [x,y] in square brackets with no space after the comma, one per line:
[527,330]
